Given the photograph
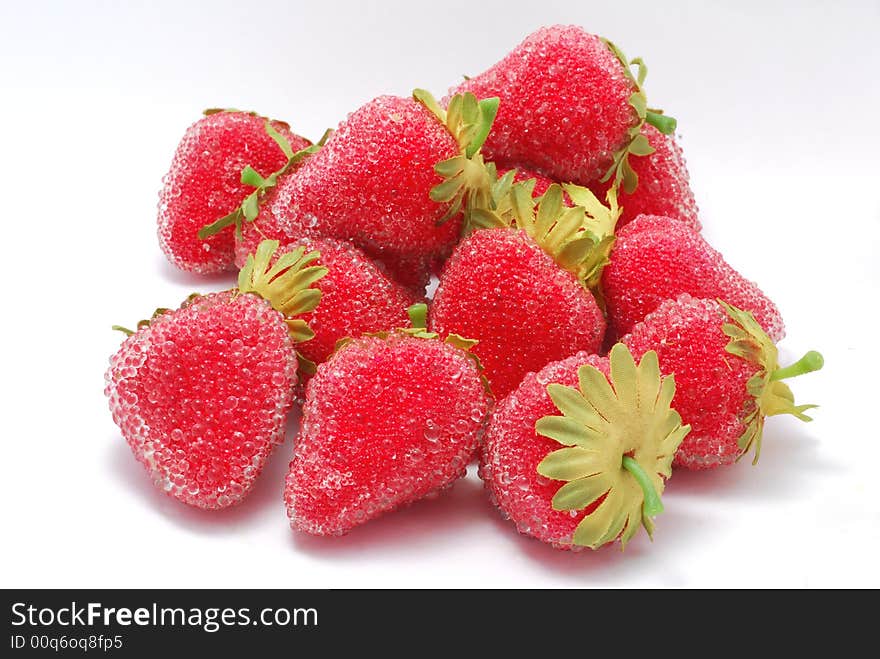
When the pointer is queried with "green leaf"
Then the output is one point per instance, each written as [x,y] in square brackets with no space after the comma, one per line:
[629,177]
[250,207]
[299,330]
[567,464]
[450,167]
[625,376]
[575,252]
[427,99]
[250,176]
[598,392]
[445,192]
[460,342]
[596,525]
[643,70]
[303,302]
[650,380]
[488,110]
[572,404]
[289,260]
[640,146]
[280,140]
[564,430]
[639,103]
[580,493]
[549,209]
[480,218]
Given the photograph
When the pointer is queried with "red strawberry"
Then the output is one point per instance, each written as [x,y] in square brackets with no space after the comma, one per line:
[620,441]
[372,183]
[727,375]
[387,421]
[664,183]
[357,297]
[201,393]
[204,183]
[570,107]
[522,292]
[657,258]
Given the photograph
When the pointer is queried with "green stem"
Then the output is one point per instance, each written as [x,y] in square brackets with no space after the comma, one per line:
[216,227]
[662,122]
[418,315]
[488,110]
[120,328]
[810,362]
[652,505]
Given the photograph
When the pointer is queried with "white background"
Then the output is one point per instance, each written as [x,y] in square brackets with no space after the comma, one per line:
[777,105]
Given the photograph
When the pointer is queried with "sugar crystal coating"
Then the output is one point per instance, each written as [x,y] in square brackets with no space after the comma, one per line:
[664,183]
[564,107]
[204,184]
[357,297]
[500,288]
[513,449]
[710,383]
[657,258]
[369,184]
[201,395]
[385,422]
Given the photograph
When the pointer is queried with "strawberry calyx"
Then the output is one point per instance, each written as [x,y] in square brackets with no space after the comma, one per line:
[286,284]
[250,207]
[771,396]
[467,179]
[636,143]
[578,237]
[620,438]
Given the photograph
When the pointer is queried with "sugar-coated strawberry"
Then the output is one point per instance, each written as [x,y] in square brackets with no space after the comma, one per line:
[411,272]
[372,184]
[657,258]
[201,393]
[663,183]
[387,420]
[727,375]
[522,290]
[569,107]
[577,455]
[204,184]
[357,297]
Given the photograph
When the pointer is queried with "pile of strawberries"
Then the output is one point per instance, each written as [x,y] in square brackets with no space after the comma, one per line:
[584,337]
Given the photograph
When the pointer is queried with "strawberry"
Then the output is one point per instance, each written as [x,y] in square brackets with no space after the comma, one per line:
[522,291]
[619,432]
[727,374]
[570,107]
[204,183]
[357,297]
[201,393]
[658,258]
[664,183]
[373,181]
[388,420]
